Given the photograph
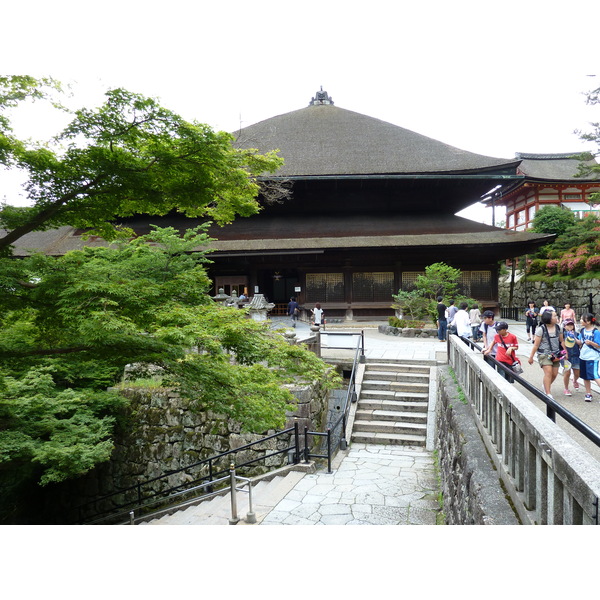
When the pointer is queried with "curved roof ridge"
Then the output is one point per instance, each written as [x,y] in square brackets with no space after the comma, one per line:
[324,139]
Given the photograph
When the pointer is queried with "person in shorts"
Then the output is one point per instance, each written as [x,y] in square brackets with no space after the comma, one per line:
[531,320]
[589,355]
[549,344]
[571,364]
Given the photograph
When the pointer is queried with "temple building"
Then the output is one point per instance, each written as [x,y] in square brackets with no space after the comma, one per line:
[371,205]
[548,180]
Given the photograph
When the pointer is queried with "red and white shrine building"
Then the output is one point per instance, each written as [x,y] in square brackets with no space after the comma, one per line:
[547,179]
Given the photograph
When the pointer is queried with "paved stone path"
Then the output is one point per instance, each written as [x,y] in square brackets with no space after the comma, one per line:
[373,485]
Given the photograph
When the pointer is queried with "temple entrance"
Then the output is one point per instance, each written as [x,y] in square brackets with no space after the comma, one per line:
[279,287]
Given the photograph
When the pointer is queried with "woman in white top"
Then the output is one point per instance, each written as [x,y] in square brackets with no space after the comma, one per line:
[462,322]
[546,307]
[317,312]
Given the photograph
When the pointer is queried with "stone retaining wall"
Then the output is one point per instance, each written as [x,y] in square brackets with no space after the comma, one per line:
[166,434]
[471,489]
[576,292]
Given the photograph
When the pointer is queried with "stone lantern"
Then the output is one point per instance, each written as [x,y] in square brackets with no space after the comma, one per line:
[258,307]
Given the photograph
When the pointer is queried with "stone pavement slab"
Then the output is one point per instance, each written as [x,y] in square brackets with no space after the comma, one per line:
[373,485]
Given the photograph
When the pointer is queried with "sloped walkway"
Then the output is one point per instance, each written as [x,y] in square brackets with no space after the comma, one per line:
[373,485]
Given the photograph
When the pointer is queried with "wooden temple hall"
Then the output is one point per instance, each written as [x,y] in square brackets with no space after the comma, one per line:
[371,205]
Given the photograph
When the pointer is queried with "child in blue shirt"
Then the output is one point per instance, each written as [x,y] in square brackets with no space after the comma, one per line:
[589,355]
[570,338]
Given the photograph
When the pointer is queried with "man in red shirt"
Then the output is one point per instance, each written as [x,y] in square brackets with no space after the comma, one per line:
[506,347]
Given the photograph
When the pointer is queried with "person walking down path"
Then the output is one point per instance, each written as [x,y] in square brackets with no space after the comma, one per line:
[546,307]
[452,310]
[442,320]
[461,321]
[549,345]
[488,332]
[507,345]
[567,313]
[293,310]
[571,364]
[475,319]
[589,356]
[531,320]
[317,312]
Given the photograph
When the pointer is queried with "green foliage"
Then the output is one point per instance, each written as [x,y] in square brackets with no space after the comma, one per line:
[537,266]
[401,323]
[553,219]
[64,431]
[420,303]
[70,324]
[439,280]
[128,156]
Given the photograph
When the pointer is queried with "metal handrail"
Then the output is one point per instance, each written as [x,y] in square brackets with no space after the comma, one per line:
[174,492]
[362,341]
[350,397]
[209,479]
[552,406]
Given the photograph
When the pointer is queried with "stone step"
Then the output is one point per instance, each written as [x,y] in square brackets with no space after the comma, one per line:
[395,386]
[388,394]
[266,494]
[397,368]
[393,404]
[401,439]
[391,415]
[396,376]
[389,427]
[392,362]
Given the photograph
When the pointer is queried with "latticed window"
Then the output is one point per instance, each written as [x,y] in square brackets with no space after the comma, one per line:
[372,287]
[324,287]
[409,278]
[481,284]
[476,284]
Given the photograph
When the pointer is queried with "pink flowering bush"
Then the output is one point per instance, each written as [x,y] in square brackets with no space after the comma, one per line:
[552,267]
[593,263]
[577,265]
[563,265]
[582,250]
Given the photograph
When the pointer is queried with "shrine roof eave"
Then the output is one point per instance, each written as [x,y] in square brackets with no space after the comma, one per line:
[303,245]
[409,176]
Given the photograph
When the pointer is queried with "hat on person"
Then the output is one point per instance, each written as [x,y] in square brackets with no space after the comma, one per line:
[488,313]
[568,322]
[501,325]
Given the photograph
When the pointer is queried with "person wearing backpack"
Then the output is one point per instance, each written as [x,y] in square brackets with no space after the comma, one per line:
[589,354]
[549,344]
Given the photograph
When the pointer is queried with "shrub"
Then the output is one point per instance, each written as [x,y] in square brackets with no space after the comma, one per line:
[415,324]
[563,265]
[577,266]
[396,322]
[552,267]
[593,263]
[538,266]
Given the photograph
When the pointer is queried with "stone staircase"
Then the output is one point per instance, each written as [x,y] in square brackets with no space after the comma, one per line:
[266,494]
[393,403]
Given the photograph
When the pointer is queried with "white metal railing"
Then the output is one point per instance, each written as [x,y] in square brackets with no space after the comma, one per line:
[550,478]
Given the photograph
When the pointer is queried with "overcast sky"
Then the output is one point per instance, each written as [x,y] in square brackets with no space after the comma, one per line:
[493,78]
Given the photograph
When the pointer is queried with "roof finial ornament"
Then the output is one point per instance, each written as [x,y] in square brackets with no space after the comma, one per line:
[321,97]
